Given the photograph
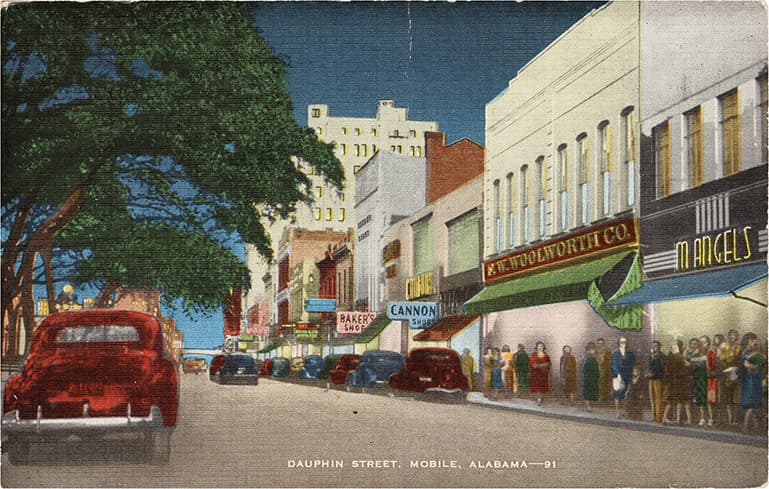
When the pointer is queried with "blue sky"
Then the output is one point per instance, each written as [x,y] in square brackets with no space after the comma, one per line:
[444,61]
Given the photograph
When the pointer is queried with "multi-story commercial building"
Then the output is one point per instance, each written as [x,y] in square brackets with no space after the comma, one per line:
[703,169]
[434,255]
[561,191]
[390,187]
[356,139]
[296,279]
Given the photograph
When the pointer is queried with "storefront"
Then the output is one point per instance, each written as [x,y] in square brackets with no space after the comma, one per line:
[705,261]
[559,292]
[454,332]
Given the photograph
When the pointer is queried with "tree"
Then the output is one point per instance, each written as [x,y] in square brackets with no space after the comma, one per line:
[142,139]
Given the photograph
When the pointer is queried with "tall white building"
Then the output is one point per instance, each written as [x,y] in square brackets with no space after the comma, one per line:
[357,139]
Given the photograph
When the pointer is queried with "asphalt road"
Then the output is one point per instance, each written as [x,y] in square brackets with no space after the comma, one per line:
[292,435]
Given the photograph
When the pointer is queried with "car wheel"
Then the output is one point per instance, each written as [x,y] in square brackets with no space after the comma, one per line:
[158,446]
[19,452]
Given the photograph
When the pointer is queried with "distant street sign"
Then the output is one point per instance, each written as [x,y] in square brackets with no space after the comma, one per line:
[320,305]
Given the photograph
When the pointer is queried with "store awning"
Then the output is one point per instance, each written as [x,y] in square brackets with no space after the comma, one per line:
[561,285]
[446,328]
[696,285]
[374,329]
[272,346]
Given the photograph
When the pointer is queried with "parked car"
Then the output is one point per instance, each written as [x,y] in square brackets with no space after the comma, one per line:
[266,369]
[312,366]
[329,363]
[194,365]
[216,365]
[431,369]
[347,363]
[93,373]
[280,367]
[376,367]
[239,369]
[296,366]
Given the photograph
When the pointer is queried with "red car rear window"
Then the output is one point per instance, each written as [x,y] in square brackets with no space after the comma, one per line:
[97,334]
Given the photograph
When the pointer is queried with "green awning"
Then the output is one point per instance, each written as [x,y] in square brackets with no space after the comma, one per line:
[374,329]
[562,285]
[272,346]
[621,317]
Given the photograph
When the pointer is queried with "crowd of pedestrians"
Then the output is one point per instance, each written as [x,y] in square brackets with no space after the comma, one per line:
[718,382]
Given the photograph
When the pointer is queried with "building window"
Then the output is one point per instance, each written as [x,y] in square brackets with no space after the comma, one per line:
[374,148]
[583,178]
[542,195]
[663,159]
[319,130]
[356,168]
[412,133]
[563,187]
[358,131]
[605,163]
[316,112]
[525,210]
[344,130]
[357,150]
[695,147]
[392,148]
[731,132]
[510,204]
[343,148]
[413,150]
[498,231]
[627,148]
[342,214]
[319,191]
[424,246]
[464,236]
[374,131]
[364,149]
[340,195]
[318,213]
[396,133]
[400,149]
[762,116]
[329,214]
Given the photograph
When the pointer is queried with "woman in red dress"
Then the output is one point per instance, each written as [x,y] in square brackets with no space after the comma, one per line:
[540,372]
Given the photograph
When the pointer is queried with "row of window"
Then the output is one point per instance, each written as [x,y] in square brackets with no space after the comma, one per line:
[373,132]
[727,136]
[363,149]
[329,214]
[529,192]
[319,193]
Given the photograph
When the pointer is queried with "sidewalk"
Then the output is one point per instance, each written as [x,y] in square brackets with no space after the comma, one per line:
[606,416]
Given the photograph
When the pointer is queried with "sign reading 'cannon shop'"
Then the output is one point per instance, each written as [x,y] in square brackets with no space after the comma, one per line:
[420,315]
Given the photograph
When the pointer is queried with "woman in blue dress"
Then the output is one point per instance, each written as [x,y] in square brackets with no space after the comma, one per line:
[752,377]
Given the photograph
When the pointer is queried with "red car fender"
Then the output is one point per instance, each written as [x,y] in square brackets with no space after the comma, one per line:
[164,392]
[10,396]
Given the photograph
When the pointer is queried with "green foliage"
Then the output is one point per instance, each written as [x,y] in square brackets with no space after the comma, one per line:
[213,81]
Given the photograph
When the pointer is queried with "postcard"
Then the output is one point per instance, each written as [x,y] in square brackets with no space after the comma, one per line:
[384,244]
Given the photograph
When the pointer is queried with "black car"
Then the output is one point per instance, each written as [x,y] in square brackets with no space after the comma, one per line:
[239,369]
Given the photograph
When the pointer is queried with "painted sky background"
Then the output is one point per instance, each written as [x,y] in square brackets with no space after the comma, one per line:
[443,61]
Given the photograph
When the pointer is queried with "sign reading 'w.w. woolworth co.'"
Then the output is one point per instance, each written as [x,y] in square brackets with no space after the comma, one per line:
[614,235]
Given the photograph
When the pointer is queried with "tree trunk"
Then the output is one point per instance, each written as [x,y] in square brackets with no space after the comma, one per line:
[20,283]
[104,295]
[50,286]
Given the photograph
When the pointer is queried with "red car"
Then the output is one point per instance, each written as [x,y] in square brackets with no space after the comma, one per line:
[431,369]
[217,363]
[92,373]
[347,363]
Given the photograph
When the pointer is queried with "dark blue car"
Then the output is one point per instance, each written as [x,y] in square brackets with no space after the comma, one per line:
[312,366]
[375,367]
[239,369]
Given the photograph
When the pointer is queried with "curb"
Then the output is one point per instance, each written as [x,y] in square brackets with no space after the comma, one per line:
[607,419]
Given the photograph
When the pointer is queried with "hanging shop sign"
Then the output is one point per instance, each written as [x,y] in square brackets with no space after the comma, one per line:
[420,315]
[320,305]
[391,251]
[612,236]
[713,250]
[353,322]
[421,286]
[306,333]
